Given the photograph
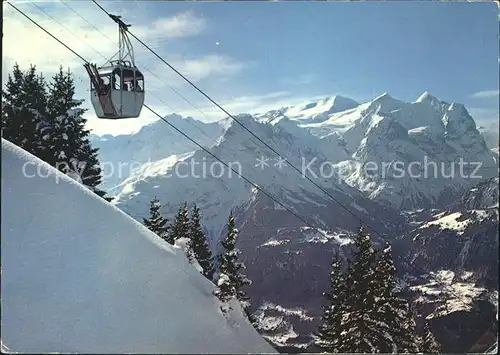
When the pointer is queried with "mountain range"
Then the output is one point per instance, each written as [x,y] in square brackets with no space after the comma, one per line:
[338,143]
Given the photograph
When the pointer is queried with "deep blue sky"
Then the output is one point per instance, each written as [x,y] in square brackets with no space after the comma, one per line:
[361,49]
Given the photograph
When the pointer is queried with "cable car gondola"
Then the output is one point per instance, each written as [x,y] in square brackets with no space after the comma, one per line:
[117,87]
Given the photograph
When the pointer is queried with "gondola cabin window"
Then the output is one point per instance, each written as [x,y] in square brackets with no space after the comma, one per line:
[106,80]
[117,81]
[133,80]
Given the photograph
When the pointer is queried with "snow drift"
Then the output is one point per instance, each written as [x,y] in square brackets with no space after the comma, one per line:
[79,275]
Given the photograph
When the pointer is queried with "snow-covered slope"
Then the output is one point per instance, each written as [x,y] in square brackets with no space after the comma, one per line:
[79,275]
[124,155]
[316,111]
[462,239]
[459,312]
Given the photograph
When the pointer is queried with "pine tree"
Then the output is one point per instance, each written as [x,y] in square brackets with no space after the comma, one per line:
[330,331]
[156,222]
[361,331]
[200,245]
[66,139]
[407,337]
[392,313]
[365,313]
[429,344]
[180,226]
[11,106]
[409,341]
[24,105]
[231,280]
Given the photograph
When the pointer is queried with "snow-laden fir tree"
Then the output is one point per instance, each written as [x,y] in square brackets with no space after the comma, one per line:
[409,342]
[231,279]
[13,100]
[429,344]
[369,317]
[61,137]
[24,105]
[156,222]
[199,245]
[66,138]
[180,225]
[361,332]
[392,313]
[330,331]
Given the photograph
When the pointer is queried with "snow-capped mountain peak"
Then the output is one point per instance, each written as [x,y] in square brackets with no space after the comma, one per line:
[123,155]
[384,103]
[311,112]
[340,103]
[427,99]
[458,122]
[328,105]
[383,97]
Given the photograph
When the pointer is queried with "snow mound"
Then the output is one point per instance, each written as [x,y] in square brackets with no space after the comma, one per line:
[79,275]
